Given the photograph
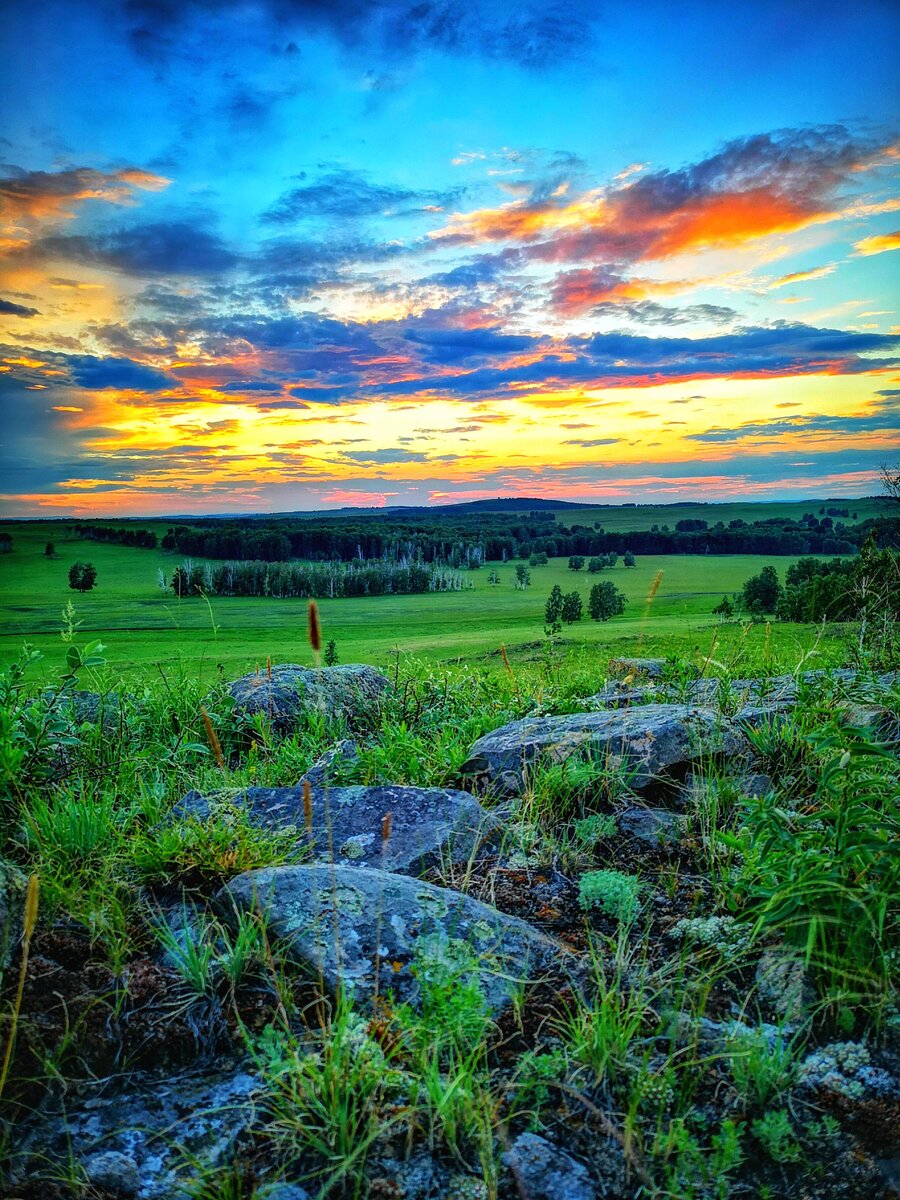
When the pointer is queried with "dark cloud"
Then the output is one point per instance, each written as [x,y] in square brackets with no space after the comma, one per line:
[381,457]
[152,248]
[648,312]
[345,195]
[8,309]
[94,374]
[531,33]
[590,442]
[883,418]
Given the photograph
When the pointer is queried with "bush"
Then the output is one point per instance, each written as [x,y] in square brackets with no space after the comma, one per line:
[761,592]
[612,891]
[576,562]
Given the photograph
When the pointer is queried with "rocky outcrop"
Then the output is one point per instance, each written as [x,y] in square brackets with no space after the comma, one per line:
[156,1135]
[289,691]
[366,928]
[427,825]
[646,743]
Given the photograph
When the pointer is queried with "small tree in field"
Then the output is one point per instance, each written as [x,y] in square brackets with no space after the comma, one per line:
[553,610]
[605,601]
[571,608]
[628,559]
[523,576]
[762,592]
[331,654]
[724,609]
[576,562]
[49,550]
[494,577]
[82,576]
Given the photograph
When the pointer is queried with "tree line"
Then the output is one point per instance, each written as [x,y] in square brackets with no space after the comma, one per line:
[310,581]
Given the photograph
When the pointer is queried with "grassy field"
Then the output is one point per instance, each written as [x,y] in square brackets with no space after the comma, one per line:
[619,519]
[143,626]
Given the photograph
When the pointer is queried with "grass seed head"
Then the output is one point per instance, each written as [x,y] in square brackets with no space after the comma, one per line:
[212,737]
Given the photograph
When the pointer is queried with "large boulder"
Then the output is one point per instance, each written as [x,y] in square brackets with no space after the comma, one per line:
[428,825]
[647,743]
[288,692]
[344,924]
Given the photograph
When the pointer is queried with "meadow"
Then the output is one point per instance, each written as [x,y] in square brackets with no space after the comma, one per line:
[143,626]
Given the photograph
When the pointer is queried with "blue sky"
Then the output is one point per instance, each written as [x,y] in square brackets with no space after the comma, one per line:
[279,254]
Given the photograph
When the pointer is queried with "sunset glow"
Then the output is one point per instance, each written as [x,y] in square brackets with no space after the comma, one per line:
[278,256]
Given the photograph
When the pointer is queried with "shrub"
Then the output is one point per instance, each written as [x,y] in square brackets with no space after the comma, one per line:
[571,608]
[612,891]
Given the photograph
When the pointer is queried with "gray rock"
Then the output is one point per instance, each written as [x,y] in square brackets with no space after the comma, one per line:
[428,825]
[619,695]
[113,1172]
[352,692]
[87,708]
[162,1127]
[544,1172]
[645,742]
[340,922]
[650,668]
[282,1191]
[652,826]
[327,764]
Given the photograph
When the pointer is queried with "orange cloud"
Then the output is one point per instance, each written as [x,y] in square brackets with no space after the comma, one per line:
[878,244]
[802,276]
[41,194]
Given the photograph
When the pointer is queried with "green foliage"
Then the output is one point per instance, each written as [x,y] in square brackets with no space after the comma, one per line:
[554,607]
[763,1065]
[761,592]
[823,874]
[692,1171]
[616,893]
[82,576]
[571,608]
[330,658]
[605,601]
[576,562]
[724,609]
[775,1133]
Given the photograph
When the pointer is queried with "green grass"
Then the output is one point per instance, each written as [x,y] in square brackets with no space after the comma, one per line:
[619,519]
[143,627]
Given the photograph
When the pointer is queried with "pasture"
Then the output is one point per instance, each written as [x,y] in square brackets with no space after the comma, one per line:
[144,627]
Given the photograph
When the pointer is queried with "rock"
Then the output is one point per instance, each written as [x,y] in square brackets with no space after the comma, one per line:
[644,742]
[650,668]
[619,695]
[113,1172]
[319,774]
[281,1191]
[428,825]
[87,708]
[352,692]
[652,826]
[845,1069]
[161,1128]
[544,1172]
[783,983]
[340,921]
[12,900]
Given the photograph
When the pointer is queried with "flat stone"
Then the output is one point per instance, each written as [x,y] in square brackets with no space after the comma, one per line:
[344,923]
[162,1128]
[290,692]
[544,1172]
[650,668]
[114,1172]
[645,742]
[428,825]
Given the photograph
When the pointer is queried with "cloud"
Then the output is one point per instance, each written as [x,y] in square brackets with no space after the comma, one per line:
[878,244]
[803,276]
[590,442]
[648,312]
[8,309]
[96,374]
[42,194]
[153,248]
[751,188]
[535,33]
[881,418]
[381,457]
[343,195]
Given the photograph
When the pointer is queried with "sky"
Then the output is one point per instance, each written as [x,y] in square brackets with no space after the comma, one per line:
[284,255]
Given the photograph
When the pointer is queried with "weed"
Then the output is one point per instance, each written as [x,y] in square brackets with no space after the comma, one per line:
[616,893]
